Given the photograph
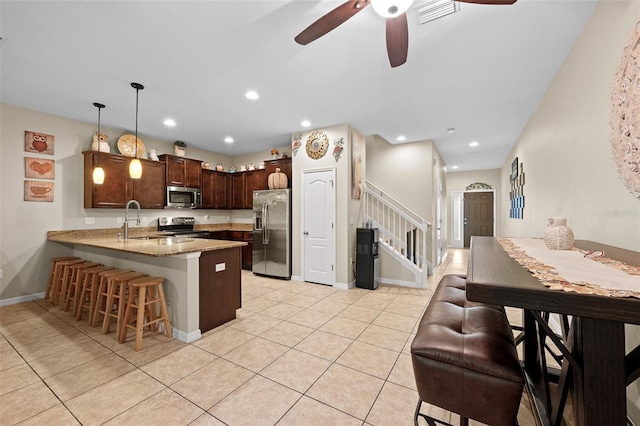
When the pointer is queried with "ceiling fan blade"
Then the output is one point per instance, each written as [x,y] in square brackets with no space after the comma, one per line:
[331,20]
[488,1]
[397,40]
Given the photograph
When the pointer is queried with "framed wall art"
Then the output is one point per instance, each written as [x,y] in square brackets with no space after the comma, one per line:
[39,168]
[39,143]
[37,190]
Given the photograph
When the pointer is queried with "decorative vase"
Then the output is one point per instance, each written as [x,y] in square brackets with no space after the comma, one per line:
[101,141]
[179,151]
[557,235]
[277,180]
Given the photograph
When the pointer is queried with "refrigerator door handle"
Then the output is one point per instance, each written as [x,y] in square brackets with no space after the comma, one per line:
[265,223]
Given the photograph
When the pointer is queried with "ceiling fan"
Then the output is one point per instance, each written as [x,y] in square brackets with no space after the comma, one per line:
[393,10]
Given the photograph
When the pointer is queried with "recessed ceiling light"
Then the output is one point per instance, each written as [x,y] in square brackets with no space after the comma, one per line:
[451,130]
[252,95]
[454,167]
[169,122]
[401,138]
[305,123]
[228,139]
[474,143]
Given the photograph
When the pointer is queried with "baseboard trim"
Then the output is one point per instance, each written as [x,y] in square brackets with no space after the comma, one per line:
[21,299]
[186,337]
[400,283]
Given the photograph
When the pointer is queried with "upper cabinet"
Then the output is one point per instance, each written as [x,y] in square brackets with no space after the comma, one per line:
[182,171]
[284,164]
[118,187]
[214,189]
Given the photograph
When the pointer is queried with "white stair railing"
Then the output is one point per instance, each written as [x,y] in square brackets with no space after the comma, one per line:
[402,232]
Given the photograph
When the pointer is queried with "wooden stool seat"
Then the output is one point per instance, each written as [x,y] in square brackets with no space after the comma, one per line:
[61,278]
[72,291]
[54,261]
[102,293]
[89,291]
[116,299]
[145,294]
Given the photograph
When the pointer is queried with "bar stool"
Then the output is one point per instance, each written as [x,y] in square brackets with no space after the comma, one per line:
[72,291]
[116,298]
[102,293]
[61,278]
[144,296]
[54,263]
[89,291]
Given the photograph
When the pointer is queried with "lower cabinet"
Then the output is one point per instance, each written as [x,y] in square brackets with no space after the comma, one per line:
[220,292]
[247,251]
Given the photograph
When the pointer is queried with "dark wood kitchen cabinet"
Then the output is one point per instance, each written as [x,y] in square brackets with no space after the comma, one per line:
[214,189]
[181,171]
[285,166]
[220,292]
[118,188]
[246,236]
[238,190]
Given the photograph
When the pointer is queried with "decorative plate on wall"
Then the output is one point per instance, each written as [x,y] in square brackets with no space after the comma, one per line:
[317,145]
[127,146]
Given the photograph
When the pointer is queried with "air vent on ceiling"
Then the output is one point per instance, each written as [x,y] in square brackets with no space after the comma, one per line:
[435,9]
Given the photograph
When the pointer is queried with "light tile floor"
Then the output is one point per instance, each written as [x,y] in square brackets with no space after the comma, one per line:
[297,354]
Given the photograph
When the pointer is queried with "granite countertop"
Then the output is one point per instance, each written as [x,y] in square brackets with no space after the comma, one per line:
[145,241]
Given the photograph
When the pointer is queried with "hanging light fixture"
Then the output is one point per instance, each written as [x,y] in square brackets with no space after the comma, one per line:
[135,167]
[98,172]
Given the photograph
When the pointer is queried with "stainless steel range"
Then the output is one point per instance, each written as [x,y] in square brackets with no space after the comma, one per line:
[180,226]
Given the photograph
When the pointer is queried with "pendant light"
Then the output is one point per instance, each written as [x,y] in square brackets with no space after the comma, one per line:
[135,167]
[98,172]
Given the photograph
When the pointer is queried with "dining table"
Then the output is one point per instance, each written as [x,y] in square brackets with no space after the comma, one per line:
[594,368]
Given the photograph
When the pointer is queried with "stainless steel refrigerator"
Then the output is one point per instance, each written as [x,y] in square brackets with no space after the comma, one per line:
[272,233]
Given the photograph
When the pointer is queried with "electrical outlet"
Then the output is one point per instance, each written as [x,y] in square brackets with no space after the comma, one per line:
[1,273]
[220,267]
[143,219]
[89,220]
[119,219]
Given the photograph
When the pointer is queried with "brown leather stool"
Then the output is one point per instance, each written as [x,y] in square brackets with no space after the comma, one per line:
[72,290]
[145,294]
[102,293]
[89,291]
[116,299]
[54,264]
[61,278]
[464,358]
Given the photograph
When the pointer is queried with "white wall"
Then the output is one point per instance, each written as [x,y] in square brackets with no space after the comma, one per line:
[565,150]
[346,208]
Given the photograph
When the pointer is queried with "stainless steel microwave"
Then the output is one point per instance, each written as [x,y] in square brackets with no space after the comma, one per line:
[182,197]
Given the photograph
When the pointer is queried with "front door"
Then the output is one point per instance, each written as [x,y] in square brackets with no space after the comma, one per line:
[318,227]
[478,215]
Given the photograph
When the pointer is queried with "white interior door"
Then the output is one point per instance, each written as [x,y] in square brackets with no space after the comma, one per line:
[319,227]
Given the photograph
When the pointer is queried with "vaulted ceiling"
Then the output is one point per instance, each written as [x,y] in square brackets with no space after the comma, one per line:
[482,70]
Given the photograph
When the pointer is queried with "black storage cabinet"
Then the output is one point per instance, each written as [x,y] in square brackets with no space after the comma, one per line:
[366,258]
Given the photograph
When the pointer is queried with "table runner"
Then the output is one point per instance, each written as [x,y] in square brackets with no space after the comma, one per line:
[574,270]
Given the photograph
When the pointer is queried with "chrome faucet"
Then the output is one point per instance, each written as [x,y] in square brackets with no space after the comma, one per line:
[126,217]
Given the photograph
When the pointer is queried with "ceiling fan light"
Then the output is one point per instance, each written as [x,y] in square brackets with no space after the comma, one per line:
[391,8]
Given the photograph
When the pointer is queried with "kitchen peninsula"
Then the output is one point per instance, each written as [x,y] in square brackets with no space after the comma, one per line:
[202,276]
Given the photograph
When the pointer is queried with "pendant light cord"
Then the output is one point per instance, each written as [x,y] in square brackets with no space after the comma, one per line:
[99,106]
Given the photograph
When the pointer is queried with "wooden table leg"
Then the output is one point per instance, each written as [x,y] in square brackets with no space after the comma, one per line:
[600,394]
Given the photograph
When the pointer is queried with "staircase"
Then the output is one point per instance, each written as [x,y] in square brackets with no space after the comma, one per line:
[403,234]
